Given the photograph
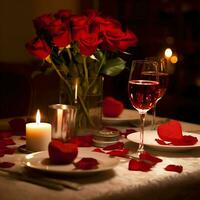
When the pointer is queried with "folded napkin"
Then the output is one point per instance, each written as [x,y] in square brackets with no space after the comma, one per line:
[171,133]
[112,107]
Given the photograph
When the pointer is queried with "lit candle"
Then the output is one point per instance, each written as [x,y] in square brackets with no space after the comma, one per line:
[76,91]
[38,135]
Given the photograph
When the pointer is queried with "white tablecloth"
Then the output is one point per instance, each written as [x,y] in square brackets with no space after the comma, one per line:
[119,183]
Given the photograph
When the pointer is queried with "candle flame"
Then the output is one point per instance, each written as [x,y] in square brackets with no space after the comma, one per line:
[38,116]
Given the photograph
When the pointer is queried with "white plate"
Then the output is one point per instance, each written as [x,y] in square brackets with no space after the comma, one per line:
[126,115]
[40,161]
[150,136]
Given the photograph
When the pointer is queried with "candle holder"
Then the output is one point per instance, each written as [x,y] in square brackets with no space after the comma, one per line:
[62,118]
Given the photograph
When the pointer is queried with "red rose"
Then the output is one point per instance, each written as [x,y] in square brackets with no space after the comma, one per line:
[59,33]
[112,36]
[64,15]
[100,24]
[129,39]
[41,22]
[38,48]
[79,23]
[88,42]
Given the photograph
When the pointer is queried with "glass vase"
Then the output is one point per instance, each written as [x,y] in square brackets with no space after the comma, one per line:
[87,96]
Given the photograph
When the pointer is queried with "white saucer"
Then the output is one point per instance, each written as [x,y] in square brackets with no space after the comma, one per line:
[40,161]
[150,136]
[126,115]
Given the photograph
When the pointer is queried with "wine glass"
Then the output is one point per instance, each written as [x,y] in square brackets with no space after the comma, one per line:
[143,92]
[163,79]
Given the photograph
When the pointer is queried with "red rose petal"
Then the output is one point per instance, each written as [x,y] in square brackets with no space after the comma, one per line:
[6,164]
[7,141]
[5,134]
[174,168]
[138,165]
[9,150]
[117,145]
[120,153]
[1,153]
[147,156]
[170,131]
[86,163]
[98,150]
[186,140]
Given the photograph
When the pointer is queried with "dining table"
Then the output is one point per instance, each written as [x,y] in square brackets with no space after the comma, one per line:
[116,183]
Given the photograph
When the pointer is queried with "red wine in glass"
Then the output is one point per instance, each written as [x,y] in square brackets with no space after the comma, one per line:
[163,81]
[143,93]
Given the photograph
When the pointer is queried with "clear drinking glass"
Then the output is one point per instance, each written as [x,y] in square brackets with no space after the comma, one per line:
[163,79]
[143,92]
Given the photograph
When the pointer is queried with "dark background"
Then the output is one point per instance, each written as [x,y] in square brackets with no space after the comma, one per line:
[159,24]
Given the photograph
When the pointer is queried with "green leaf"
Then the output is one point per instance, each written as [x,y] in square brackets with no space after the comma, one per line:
[113,67]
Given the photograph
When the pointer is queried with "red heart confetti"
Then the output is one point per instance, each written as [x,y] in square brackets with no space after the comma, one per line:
[62,153]
[87,163]
[174,168]
[170,131]
[112,107]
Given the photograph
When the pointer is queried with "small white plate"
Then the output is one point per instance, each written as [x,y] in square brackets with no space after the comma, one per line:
[150,136]
[40,161]
[126,115]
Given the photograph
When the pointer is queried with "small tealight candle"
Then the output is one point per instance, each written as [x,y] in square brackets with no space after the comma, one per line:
[38,135]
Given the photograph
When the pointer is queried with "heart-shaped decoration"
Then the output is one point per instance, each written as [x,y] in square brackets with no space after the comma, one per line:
[62,153]
[112,107]
[170,131]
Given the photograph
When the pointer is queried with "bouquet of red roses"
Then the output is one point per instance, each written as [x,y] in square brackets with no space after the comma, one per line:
[80,46]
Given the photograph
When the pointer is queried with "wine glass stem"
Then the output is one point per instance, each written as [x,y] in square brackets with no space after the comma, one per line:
[154,117]
[141,144]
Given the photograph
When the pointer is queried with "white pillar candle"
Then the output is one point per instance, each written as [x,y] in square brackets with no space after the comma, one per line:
[38,135]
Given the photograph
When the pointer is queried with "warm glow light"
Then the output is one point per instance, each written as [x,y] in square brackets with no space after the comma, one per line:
[174,59]
[38,116]
[168,53]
